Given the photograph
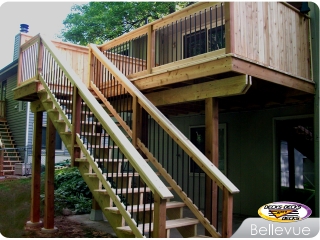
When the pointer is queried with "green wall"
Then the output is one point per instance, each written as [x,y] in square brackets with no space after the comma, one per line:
[16,119]
[250,152]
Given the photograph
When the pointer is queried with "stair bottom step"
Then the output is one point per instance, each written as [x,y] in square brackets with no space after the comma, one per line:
[176,223]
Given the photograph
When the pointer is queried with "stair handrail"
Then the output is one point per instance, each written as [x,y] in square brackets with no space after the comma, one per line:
[206,165]
[131,153]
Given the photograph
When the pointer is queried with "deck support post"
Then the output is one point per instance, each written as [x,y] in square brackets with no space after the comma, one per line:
[76,116]
[212,153]
[159,219]
[227,210]
[36,171]
[48,224]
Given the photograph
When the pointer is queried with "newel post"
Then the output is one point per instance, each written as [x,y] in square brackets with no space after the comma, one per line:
[90,68]
[227,210]
[159,217]
[150,47]
[40,58]
[136,121]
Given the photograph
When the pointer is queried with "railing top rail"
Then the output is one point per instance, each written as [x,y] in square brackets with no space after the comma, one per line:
[157,23]
[151,179]
[209,168]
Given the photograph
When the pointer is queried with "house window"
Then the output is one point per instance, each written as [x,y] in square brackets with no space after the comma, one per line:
[20,106]
[195,43]
[216,38]
[197,137]
[203,41]
[58,145]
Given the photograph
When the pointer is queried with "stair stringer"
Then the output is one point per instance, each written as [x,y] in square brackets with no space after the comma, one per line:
[194,209]
[55,113]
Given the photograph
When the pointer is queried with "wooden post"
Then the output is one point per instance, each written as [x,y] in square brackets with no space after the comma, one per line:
[76,118]
[229,26]
[40,58]
[212,153]
[136,121]
[49,178]
[150,49]
[36,171]
[227,213]
[87,82]
[159,219]
[20,68]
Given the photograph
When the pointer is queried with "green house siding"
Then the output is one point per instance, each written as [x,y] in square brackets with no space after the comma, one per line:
[250,152]
[16,117]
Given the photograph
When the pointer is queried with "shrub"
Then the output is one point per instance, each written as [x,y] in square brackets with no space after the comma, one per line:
[71,191]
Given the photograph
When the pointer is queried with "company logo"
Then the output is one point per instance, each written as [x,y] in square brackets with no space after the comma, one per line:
[284,212]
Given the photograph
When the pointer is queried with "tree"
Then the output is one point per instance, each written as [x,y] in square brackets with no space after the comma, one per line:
[97,22]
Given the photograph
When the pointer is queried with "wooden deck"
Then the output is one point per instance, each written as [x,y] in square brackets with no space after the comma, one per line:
[256,45]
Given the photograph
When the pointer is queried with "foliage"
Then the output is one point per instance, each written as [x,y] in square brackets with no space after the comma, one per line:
[71,191]
[97,22]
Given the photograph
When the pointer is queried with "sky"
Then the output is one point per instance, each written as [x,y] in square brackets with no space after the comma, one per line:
[42,17]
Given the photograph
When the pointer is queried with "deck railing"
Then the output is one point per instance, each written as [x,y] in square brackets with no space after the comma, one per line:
[271,34]
[197,29]
[76,56]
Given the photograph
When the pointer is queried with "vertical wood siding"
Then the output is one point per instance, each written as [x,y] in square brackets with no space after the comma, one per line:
[272,34]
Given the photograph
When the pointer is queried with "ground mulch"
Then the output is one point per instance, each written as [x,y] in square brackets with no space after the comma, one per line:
[66,229]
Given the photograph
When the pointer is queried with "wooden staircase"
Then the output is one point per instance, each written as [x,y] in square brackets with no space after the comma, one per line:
[126,179]
[119,172]
[10,155]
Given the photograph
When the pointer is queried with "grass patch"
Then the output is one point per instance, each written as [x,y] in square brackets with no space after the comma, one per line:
[15,198]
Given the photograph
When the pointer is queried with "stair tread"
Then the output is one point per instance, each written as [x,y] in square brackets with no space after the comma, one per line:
[169,205]
[176,223]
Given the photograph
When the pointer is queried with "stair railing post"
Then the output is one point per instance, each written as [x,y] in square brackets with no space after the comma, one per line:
[90,68]
[150,49]
[136,121]
[227,216]
[159,217]
[76,118]
[40,58]
[36,171]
